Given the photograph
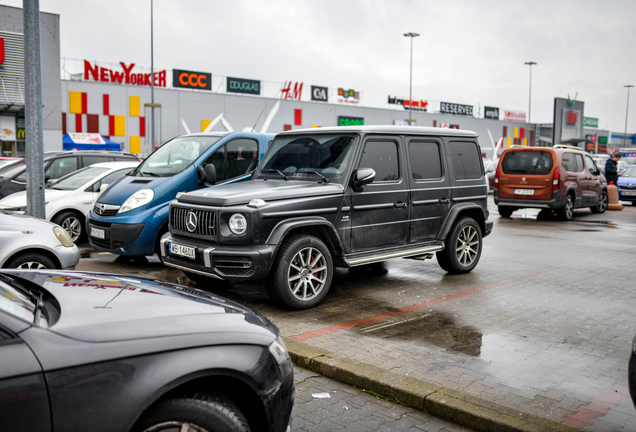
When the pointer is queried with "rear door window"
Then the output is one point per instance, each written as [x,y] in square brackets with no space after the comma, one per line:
[569,163]
[579,162]
[466,160]
[382,156]
[426,162]
[527,162]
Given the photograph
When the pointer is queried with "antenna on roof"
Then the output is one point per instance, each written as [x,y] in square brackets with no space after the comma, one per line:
[257,119]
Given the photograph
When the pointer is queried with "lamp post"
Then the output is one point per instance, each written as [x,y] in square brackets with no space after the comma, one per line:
[530,63]
[412,36]
[626,111]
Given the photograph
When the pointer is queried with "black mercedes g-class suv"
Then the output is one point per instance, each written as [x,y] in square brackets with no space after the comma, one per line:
[338,196]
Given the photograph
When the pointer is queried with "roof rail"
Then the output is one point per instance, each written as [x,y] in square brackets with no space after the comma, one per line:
[563,146]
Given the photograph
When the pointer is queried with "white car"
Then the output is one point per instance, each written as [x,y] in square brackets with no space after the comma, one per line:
[70,198]
[31,243]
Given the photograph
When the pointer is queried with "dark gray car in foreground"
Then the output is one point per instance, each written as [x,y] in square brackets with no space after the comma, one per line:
[100,352]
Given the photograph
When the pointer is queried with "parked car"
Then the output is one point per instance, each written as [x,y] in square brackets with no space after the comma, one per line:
[627,185]
[5,161]
[27,242]
[69,199]
[57,165]
[130,217]
[105,353]
[559,178]
[339,196]
[489,168]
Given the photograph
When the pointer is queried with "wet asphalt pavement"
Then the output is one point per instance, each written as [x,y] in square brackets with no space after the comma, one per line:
[543,324]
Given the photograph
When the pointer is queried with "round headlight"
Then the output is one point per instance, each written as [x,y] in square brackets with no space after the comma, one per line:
[238,224]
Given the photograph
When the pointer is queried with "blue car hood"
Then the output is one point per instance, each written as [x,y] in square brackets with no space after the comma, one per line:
[630,181]
[128,185]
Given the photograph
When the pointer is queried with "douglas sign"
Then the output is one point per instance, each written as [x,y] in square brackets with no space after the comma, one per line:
[241,85]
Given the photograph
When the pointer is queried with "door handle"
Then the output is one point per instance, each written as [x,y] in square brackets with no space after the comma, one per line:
[444,200]
[400,204]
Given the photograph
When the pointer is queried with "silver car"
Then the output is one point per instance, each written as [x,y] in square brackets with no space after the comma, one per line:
[32,243]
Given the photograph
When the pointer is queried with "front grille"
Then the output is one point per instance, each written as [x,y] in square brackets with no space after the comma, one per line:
[182,220]
[105,209]
[100,224]
[235,271]
[626,187]
[234,265]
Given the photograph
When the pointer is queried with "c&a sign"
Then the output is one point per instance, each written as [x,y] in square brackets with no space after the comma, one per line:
[103,74]
[191,80]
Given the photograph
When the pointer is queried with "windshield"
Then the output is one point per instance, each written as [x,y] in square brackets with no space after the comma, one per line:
[79,178]
[12,168]
[303,156]
[630,172]
[175,155]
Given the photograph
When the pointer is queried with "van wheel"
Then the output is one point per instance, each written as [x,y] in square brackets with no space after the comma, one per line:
[602,204]
[566,213]
[462,247]
[73,224]
[301,274]
[196,413]
[505,211]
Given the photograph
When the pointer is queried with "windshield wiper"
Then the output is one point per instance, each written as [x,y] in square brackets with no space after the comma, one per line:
[324,179]
[152,174]
[277,171]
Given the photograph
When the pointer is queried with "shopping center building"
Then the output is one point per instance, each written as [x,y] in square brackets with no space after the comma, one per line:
[116,100]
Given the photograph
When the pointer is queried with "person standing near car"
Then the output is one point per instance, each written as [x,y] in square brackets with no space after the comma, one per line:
[611,169]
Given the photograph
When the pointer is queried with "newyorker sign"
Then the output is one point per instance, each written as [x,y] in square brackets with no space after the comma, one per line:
[241,85]
[103,74]
[457,109]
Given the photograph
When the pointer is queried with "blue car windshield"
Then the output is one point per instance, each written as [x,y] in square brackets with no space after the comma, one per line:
[175,155]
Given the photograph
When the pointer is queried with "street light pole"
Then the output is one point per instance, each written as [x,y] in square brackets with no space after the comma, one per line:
[412,36]
[626,112]
[531,63]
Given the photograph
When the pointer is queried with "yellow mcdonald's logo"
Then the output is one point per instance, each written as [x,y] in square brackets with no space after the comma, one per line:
[20,134]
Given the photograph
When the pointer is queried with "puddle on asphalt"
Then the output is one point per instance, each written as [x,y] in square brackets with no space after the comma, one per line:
[432,328]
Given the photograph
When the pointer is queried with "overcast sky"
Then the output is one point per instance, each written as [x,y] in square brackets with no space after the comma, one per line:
[469,52]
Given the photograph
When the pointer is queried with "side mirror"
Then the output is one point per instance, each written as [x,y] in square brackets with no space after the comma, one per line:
[210,174]
[47,177]
[364,176]
[200,175]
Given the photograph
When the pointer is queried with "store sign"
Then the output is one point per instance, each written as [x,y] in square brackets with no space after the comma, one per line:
[86,138]
[103,74]
[320,94]
[191,80]
[348,96]
[571,117]
[456,109]
[491,113]
[590,122]
[515,116]
[7,128]
[350,121]
[288,93]
[420,105]
[241,85]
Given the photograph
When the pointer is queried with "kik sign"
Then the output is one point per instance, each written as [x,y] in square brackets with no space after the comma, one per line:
[126,76]
[350,121]
[241,85]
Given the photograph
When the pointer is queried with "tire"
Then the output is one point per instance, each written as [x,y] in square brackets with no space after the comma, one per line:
[566,213]
[293,281]
[602,205]
[462,247]
[505,211]
[31,260]
[73,224]
[199,413]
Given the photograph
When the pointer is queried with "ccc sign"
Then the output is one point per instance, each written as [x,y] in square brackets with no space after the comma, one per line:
[191,80]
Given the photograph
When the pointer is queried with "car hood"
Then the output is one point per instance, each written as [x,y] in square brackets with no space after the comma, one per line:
[242,193]
[16,222]
[128,185]
[19,199]
[621,181]
[107,308]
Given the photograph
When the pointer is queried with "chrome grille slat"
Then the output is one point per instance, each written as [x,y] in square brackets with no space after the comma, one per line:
[206,221]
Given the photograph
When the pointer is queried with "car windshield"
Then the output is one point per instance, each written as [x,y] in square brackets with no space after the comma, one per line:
[527,162]
[308,156]
[12,168]
[175,156]
[79,178]
[630,172]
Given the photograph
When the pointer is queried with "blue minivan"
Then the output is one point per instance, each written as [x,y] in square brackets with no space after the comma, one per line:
[131,215]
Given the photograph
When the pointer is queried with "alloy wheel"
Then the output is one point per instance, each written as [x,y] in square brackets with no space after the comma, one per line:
[602,205]
[175,426]
[73,226]
[307,273]
[467,247]
[32,265]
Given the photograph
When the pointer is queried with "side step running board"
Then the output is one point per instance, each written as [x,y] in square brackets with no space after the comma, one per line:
[370,259]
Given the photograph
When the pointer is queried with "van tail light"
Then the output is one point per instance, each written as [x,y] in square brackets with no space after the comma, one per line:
[496,184]
[555,179]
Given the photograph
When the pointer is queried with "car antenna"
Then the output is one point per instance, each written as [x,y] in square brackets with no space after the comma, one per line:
[259,117]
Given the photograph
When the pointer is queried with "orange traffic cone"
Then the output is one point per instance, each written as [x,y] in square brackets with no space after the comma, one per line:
[612,195]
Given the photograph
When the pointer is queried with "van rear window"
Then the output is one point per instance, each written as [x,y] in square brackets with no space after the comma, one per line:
[527,162]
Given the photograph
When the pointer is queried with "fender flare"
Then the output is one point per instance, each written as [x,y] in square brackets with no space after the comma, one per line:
[454,213]
[284,227]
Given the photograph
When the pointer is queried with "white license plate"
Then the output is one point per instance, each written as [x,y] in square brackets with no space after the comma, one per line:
[524,191]
[629,193]
[184,251]
[98,233]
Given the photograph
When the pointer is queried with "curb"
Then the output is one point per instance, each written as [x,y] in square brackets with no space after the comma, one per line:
[455,406]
